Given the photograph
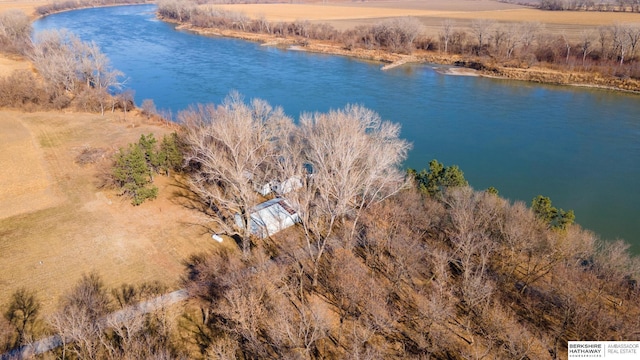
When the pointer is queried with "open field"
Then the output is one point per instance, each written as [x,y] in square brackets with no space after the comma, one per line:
[432,13]
[56,224]
[456,10]
[28,6]
[10,64]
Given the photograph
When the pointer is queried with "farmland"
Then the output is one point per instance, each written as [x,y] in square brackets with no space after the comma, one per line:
[344,15]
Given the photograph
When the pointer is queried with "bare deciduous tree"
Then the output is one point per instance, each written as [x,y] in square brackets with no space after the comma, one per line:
[620,41]
[512,38]
[529,31]
[71,65]
[23,313]
[125,100]
[603,39]
[446,33]
[96,71]
[632,31]
[397,34]
[567,45]
[586,44]
[299,325]
[355,159]
[54,58]
[481,28]
[15,30]
[233,149]
[78,322]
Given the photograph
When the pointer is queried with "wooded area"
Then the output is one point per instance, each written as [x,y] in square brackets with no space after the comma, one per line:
[381,266]
[581,5]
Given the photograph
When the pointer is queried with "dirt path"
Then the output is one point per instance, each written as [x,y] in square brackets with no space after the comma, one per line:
[25,184]
[117,318]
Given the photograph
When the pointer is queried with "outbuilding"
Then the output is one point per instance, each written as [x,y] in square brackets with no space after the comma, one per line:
[270,217]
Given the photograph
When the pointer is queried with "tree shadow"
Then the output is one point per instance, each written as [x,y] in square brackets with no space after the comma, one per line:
[182,195]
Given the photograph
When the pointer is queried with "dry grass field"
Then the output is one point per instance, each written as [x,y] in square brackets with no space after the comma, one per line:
[432,13]
[56,224]
[28,6]
[10,64]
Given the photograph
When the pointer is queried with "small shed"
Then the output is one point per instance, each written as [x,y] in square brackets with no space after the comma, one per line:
[270,217]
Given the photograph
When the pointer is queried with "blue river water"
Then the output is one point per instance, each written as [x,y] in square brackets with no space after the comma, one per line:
[581,147]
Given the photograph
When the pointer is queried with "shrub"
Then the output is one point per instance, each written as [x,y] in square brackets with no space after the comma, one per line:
[21,90]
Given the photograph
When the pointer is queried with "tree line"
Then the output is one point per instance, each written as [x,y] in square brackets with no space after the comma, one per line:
[581,5]
[59,6]
[608,50]
[70,72]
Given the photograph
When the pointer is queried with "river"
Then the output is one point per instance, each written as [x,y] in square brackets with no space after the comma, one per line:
[579,146]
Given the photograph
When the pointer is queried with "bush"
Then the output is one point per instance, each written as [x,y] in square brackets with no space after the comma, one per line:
[21,90]
[438,178]
[15,32]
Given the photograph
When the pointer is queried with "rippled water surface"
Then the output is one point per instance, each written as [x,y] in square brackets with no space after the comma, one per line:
[580,147]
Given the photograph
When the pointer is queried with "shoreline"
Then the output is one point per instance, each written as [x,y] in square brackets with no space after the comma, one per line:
[389,60]
[458,64]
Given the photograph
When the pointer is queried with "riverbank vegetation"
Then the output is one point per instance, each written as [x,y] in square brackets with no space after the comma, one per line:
[59,6]
[434,268]
[582,5]
[605,56]
[69,72]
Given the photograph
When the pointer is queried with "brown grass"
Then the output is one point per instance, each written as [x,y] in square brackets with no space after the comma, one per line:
[456,9]
[28,6]
[343,15]
[25,184]
[56,224]
[10,64]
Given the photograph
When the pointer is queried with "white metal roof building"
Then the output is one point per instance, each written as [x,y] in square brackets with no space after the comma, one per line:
[270,217]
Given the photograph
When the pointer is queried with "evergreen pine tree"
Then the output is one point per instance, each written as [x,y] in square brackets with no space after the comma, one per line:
[133,174]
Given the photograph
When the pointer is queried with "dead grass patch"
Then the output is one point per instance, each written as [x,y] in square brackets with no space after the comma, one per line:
[56,224]
[9,64]
[28,6]
[345,15]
